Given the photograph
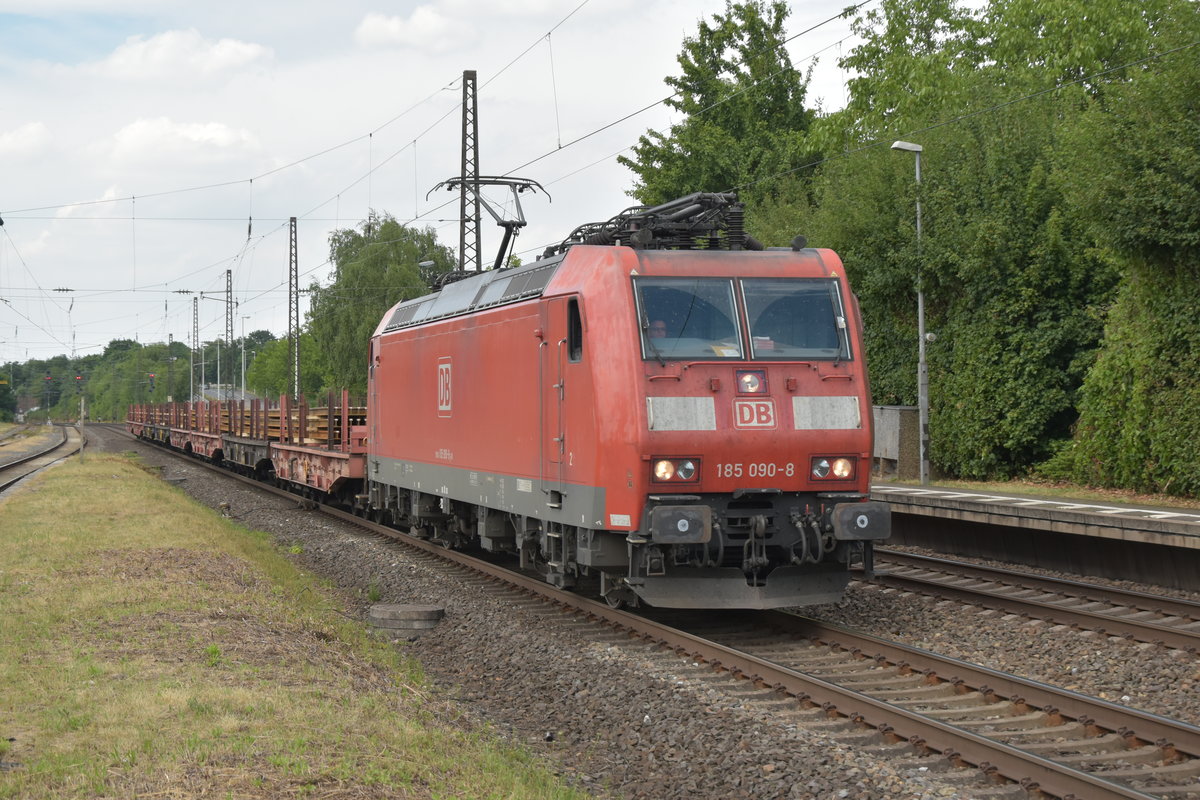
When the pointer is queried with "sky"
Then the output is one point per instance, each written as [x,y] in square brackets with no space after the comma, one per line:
[147,147]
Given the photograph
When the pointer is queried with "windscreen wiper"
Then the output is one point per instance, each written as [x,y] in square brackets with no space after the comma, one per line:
[662,362]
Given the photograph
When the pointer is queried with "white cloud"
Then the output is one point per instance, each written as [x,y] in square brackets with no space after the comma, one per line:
[26,140]
[426,29]
[35,247]
[68,211]
[552,9]
[180,54]
[146,139]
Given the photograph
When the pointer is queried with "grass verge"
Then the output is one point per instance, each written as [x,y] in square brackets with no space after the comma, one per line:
[151,648]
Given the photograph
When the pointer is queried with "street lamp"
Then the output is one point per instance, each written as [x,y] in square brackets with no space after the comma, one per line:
[922,366]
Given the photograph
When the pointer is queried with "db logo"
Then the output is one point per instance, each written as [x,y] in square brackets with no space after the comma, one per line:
[754,413]
[443,387]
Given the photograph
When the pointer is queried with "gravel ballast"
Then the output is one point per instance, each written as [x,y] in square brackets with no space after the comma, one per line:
[624,720]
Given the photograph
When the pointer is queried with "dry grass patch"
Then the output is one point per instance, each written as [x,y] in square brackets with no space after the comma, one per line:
[152,648]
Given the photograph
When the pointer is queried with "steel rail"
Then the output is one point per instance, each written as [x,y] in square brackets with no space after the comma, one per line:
[1151,632]
[1109,594]
[1092,711]
[18,469]
[62,437]
[7,436]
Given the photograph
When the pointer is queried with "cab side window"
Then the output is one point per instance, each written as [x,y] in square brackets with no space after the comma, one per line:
[574,332]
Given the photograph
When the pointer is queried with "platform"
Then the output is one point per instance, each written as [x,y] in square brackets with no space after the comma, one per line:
[1160,545]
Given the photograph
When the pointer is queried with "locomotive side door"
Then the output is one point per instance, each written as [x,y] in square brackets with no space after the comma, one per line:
[373,392]
[552,396]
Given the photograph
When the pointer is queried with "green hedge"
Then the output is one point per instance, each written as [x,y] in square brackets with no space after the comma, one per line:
[1140,411]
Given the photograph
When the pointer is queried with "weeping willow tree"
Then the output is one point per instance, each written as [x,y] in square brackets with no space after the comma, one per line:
[376,265]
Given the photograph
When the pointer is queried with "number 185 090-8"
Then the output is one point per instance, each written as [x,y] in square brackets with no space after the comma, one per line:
[756,469]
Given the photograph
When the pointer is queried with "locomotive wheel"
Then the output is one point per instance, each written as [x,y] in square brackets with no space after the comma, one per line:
[614,600]
[620,596]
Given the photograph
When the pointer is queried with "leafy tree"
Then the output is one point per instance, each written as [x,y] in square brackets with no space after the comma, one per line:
[271,374]
[111,381]
[117,379]
[1014,291]
[743,107]
[1134,174]
[917,63]
[8,396]
[376,266]
[120,346]
[255,340]
[1091,41]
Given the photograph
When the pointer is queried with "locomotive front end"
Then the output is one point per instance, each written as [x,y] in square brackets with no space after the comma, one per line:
[757,441]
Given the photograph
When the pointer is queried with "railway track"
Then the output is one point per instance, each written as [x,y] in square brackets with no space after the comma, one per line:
[1007,736]
[1155,619]
[9,436]
[1056,740]
[14,468]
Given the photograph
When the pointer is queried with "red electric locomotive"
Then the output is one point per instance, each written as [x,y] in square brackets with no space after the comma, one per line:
[658,404]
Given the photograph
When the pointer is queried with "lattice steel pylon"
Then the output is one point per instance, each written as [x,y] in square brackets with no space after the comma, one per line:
[195,345]
[294,311]
[468,202]
[170,369]
[228,319]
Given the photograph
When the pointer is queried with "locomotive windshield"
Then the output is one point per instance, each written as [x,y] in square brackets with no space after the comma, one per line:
[688,318]
[795,318]
[789,318]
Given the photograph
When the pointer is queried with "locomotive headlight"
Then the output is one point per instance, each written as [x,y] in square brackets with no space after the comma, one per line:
[675,469]
[833,468]
[751,381]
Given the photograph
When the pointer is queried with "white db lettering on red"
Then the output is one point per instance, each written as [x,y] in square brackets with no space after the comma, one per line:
[754,413]
[443,388]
